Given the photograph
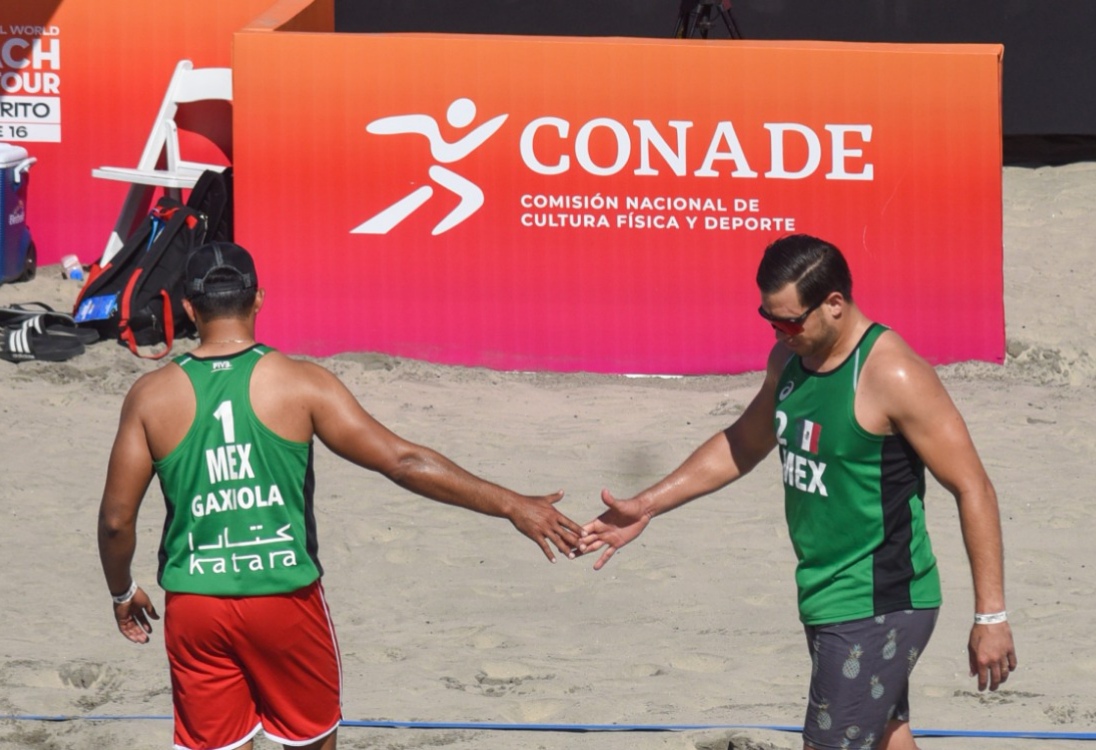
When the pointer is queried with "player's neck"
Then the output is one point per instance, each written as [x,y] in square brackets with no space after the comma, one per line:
[225,336]
[845,336]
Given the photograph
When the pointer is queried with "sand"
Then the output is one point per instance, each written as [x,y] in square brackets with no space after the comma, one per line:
[445,616]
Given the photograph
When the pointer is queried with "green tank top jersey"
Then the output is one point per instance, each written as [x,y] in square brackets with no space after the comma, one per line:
[239,497]
[854,501]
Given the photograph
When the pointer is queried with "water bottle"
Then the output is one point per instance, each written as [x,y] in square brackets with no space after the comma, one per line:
[73,269]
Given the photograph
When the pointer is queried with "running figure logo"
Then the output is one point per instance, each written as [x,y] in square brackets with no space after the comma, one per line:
[460,115]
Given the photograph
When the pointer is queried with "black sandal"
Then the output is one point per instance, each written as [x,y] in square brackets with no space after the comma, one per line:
[46,320]
[29,340]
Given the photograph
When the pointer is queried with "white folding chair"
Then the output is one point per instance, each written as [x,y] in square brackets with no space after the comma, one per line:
[188,85]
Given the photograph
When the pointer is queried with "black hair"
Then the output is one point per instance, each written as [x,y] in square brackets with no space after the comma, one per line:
[815,266]
[231,304]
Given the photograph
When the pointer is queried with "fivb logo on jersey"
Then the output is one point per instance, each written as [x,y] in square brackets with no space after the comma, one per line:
[720,145]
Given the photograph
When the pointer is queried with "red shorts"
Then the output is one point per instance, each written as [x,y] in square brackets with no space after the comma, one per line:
[240,664]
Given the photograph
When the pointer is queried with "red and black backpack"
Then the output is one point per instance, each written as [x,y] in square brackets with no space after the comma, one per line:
[137,296]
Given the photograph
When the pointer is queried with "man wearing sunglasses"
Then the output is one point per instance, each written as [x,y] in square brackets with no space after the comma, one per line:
[857,416]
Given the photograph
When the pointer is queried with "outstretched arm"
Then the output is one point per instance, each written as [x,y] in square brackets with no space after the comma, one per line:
[920,409]
[722,459]
[128,475]
[346,428]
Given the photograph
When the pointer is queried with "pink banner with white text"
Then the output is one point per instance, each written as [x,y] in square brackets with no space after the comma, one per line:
[601,204]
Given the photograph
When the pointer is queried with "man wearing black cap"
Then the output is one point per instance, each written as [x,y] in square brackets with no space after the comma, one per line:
[228,428]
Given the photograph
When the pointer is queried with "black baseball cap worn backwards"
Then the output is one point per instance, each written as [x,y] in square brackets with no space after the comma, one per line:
[219,256]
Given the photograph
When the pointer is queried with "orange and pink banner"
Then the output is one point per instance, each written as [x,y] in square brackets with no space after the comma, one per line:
[601,204]
[543,203]
[81,82]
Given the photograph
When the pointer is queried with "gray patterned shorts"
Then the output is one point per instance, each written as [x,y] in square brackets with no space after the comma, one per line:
[860,677]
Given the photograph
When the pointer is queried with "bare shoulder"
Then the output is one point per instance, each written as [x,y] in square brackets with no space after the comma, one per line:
[901,392]
[290,373]
[290,394]
[298,398]
[894,364]
[778,359]
[157,388]
[159,407]
[898,381]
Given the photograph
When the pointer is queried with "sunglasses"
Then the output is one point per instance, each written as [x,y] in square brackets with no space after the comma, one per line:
[788,326]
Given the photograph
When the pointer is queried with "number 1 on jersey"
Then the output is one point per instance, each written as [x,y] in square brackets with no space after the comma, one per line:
[223,413]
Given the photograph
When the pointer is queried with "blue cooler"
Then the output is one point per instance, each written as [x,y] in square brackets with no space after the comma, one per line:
[18,258]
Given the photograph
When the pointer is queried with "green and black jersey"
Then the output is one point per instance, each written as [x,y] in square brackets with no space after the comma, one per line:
[239,497]
[854,501]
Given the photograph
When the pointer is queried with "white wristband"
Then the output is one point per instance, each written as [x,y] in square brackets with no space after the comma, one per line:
[990,618]
[126,596]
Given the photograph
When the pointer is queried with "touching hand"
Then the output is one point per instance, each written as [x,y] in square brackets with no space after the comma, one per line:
[133,617]
[539,520]
[620,524]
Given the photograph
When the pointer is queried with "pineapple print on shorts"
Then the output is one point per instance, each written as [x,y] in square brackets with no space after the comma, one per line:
[823,718]
[851,735]
[851,667]
[877,689]
[814,658]
[890,648]
[913,656]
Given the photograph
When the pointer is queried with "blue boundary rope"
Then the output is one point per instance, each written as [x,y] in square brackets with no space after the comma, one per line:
[488,726]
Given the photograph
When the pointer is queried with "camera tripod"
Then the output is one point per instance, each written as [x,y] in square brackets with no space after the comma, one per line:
[696,16]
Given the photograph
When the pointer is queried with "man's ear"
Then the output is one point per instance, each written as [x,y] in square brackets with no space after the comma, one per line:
[836,303]
[260,295]
[189,308]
